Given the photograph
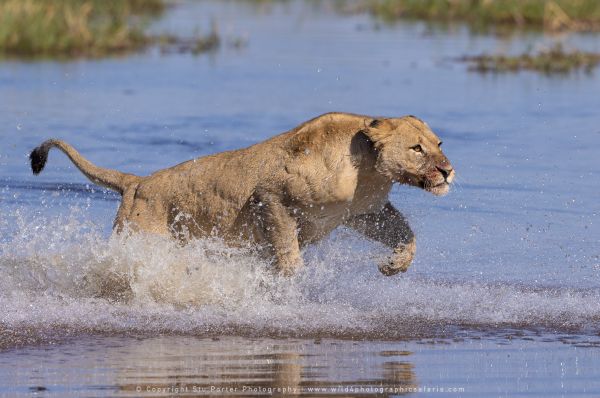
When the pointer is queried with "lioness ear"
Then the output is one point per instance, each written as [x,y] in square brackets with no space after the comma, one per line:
[377,130]
[375,123]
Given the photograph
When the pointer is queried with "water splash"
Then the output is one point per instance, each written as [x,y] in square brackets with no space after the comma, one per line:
[61,276]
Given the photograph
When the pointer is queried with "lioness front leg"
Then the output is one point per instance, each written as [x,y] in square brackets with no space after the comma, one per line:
[389,227]
[279,230]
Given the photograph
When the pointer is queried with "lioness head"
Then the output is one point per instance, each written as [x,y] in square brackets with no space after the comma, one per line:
[408,152]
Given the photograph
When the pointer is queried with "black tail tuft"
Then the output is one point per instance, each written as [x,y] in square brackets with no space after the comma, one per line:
[38,158]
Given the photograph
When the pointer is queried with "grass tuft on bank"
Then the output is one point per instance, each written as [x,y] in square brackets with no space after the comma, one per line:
[552,15]
[554,60]
[37,28]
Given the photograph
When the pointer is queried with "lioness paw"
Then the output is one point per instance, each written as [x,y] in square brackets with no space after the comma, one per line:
[400,260]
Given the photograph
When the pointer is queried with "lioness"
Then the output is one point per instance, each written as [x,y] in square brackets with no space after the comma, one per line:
[288,191]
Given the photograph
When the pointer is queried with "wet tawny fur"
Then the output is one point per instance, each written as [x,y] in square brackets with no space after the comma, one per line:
[288,191]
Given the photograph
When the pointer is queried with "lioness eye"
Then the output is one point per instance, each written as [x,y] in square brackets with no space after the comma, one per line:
[417,148]
[440,144]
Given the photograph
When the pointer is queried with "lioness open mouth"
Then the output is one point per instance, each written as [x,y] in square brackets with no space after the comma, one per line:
[424,185]
[439,189]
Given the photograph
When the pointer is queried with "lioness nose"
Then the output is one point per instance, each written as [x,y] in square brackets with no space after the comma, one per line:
[445,170]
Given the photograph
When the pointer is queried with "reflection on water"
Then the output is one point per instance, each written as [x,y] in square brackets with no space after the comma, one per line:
[233,366]
[169,366]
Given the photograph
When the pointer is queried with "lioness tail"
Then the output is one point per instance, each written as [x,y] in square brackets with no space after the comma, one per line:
[108,178]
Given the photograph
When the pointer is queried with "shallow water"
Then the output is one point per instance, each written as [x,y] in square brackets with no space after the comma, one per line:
[234,366]
[512,251]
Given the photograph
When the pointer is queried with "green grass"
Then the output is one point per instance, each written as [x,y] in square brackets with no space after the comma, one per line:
[555,60]
[554,15]
[33,28]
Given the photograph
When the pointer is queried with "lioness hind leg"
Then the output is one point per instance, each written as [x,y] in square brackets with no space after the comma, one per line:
[389,227]
[141,215]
